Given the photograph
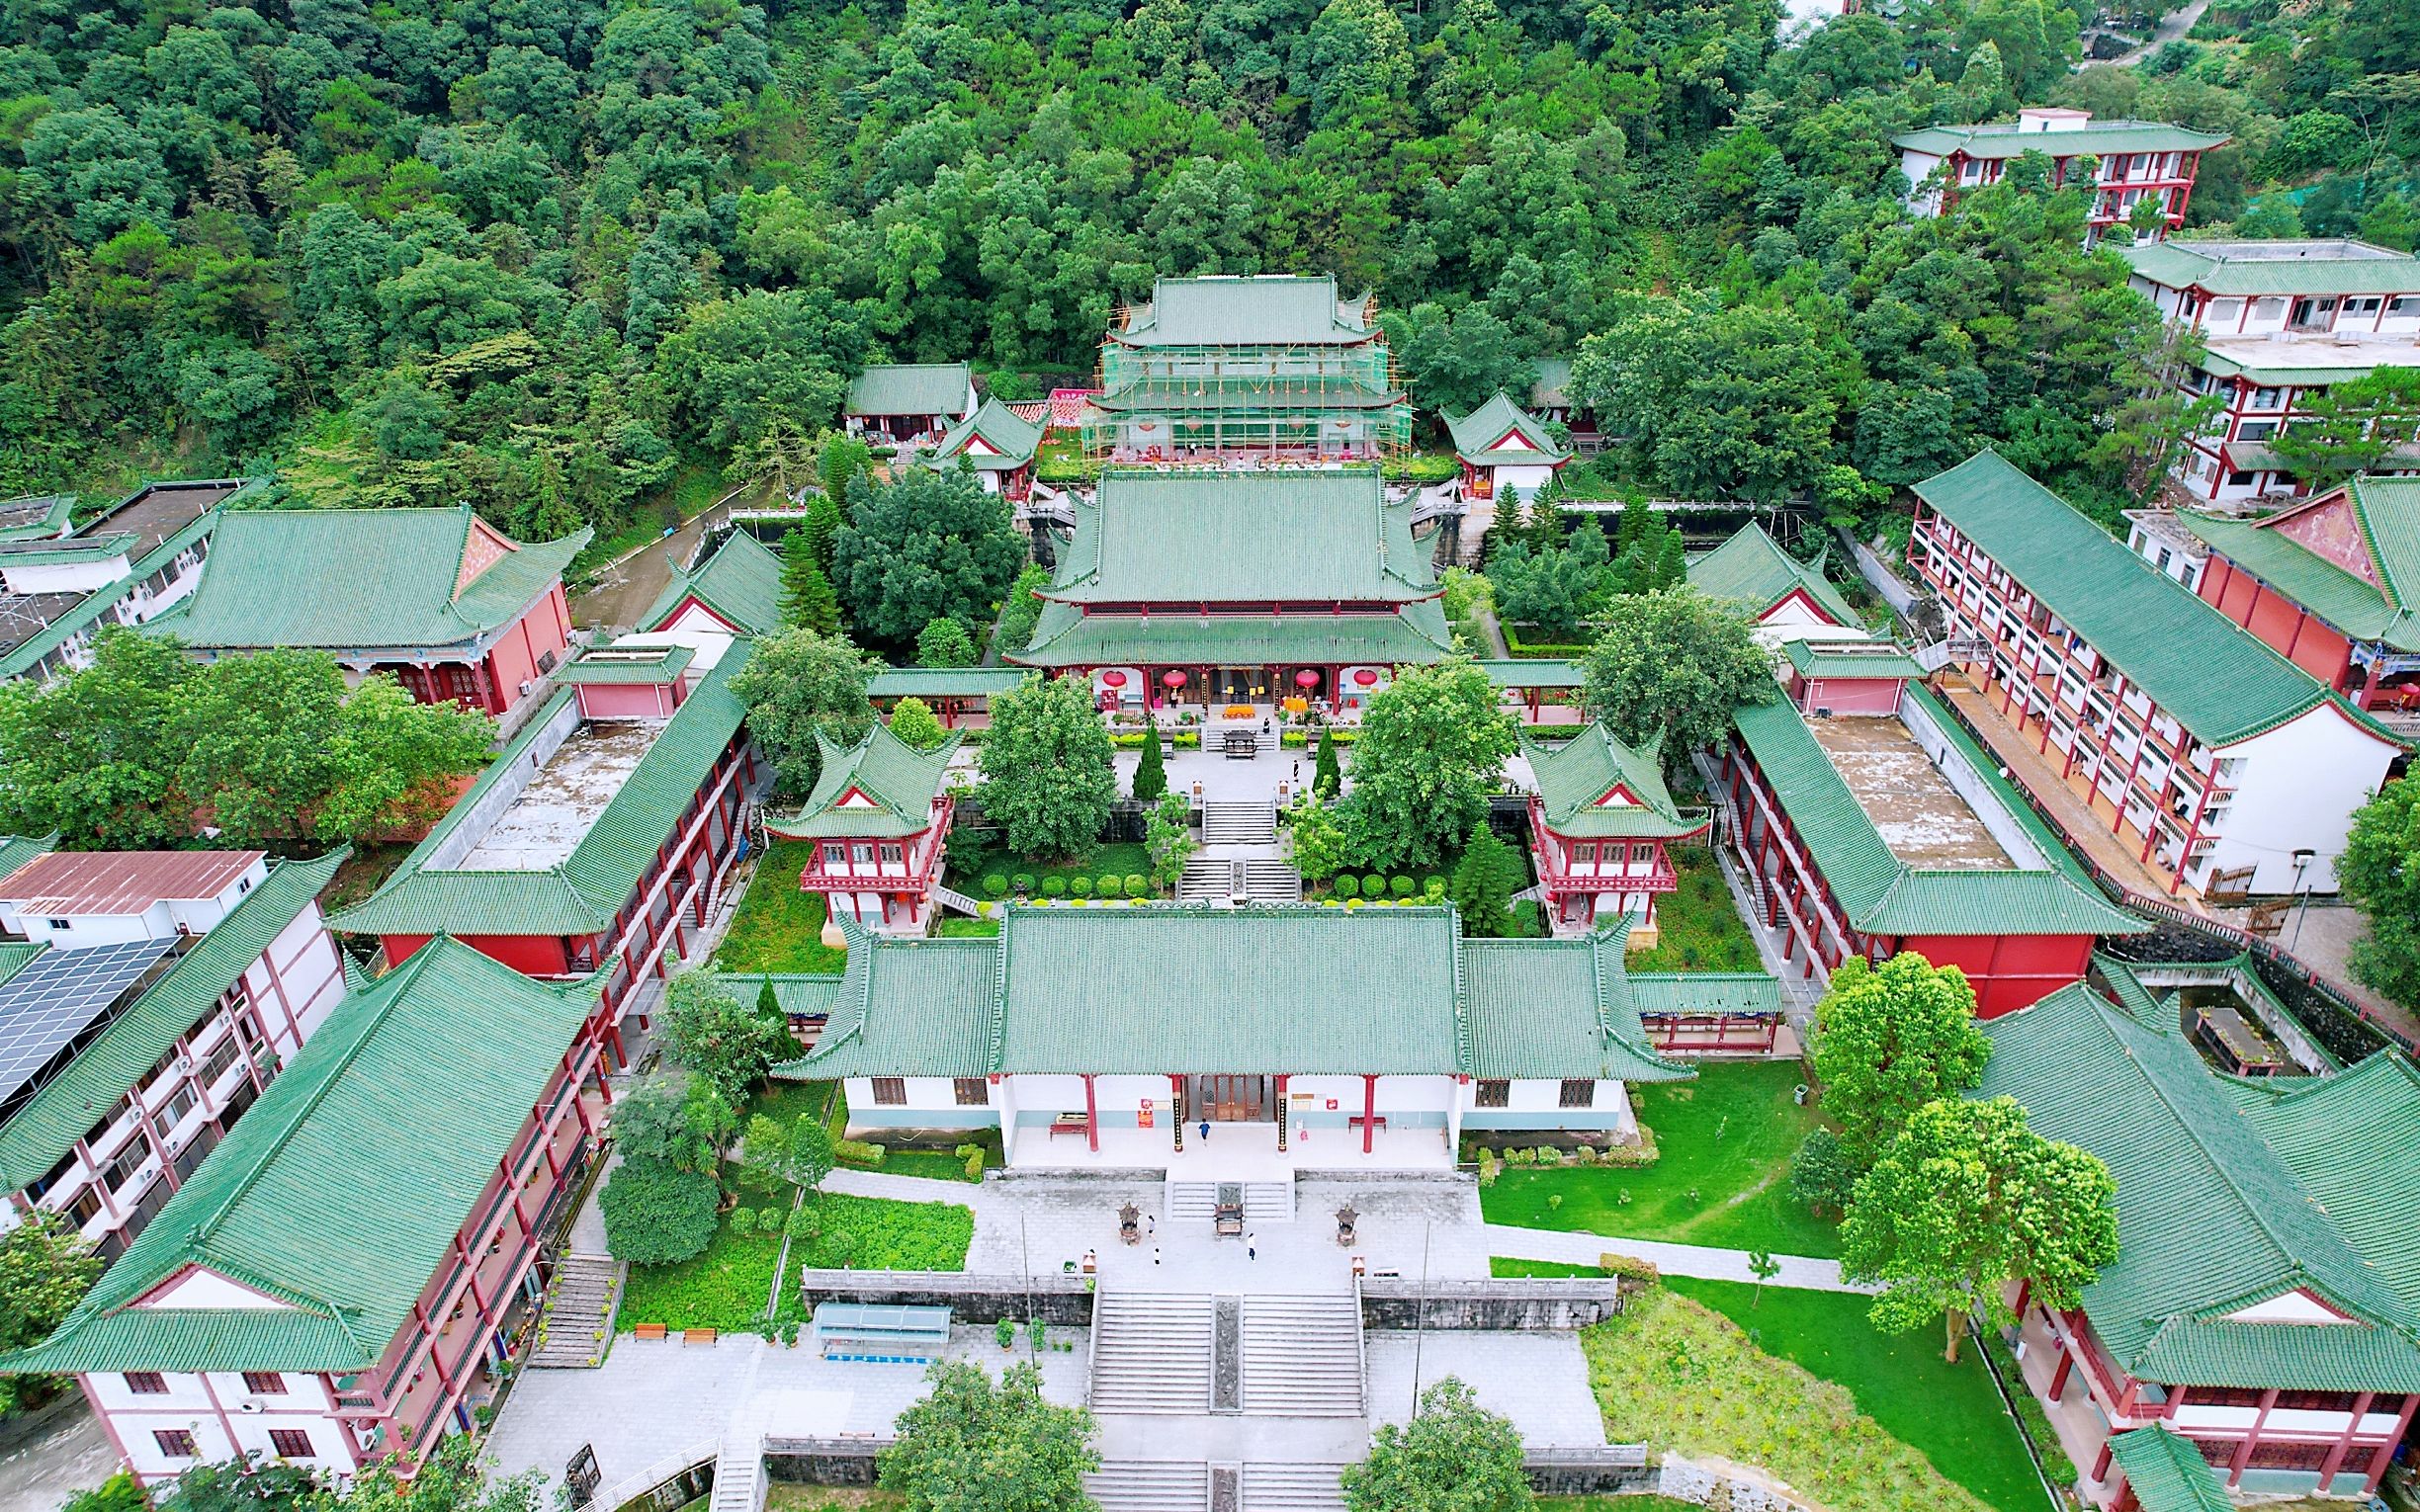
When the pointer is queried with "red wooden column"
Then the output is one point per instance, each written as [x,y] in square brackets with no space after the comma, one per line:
[1176,1110]
[2344,1441]
[1369,1111]
[1283,1116]
[2385,1450]
[1092,1117]
[2251,1439]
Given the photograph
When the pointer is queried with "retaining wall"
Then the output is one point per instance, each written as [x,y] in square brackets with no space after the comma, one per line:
[1510,1303]
[1061,1299]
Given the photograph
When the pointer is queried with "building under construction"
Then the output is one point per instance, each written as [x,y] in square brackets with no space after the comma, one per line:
[1244,371]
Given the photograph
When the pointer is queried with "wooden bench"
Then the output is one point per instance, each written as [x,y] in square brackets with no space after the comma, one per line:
[1071,1123]
[651,1330]
[1359,1118]
[698,1335]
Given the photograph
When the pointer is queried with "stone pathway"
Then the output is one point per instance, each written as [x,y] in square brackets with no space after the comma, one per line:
[46,1460]
[1800,1272]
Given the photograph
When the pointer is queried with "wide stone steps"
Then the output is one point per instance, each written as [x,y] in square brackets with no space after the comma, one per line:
[1234,823]
[1271,881]
[1302,1356]
[1151,1485]
[1207,878]
[1265,1201]
[1152,1352]
[1293,1488]
[578,1320]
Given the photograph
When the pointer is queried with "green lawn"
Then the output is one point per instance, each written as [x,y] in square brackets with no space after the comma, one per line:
[1676,1375]
[1727,1138]
[1953,1413]
[1505,1264]
[957,927]
[779,927]
[727,1286]
[1614,1504]
[1701,926]
[872,1233]
[942,1164]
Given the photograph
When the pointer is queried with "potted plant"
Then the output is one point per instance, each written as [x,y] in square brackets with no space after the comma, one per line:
[1005,1331]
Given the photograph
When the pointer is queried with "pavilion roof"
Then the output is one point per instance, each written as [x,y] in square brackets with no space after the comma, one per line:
[1191,537]
[911,388]
[1066,637]
[1815,658]
[2010,138]
[1372,991]
[362,578]
[2166,1471]
[2214,676]
[1476,436]
[1270,309]
[2384,606]
[881,786]
[1752,571]
[282,1206]
[742,582]
[1593,786]
[1012,441]
[2232,1193]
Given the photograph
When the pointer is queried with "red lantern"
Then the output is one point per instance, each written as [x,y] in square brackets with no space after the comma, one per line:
[1306,677]
[1172,679]
[1113,679]
[1367,678]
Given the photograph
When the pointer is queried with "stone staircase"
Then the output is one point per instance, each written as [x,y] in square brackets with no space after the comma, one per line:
[1207,880]
[1271,881]
[1265,1201]
[1293,1488]
[739,1477]
[578,1320]
[1152,1352]
[952,898]
[1232,823]
[1302,1356]
[1151,1485]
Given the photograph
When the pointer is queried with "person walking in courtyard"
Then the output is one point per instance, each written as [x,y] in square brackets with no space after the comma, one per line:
[1154,1254]
[1205,1131]
[1252,1245]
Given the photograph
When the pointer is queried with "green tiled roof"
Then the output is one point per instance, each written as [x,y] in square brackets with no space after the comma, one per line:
[632,664]
[2166,1471]
[1540,673]
[911,388]
[740,582]
[17,850]
[1194,537]
[1392,991]
[801,993]
[24,657]
[900,780]
[1885,895]
[2214,676]
[1704,992]
[1475,435]
[1852,659]
[2231,1194]
[32,516]
[1752,571]
[331,1192]
[1243,395]
[1576,774]
[2003,138]
[2309,266]
[357,578]
[49,1125]
[15,956]
[580,894]
[1274,311]
[2349,605]
[944,682]
[1066,637]
[1012,440]
[2309,365]
[67,551]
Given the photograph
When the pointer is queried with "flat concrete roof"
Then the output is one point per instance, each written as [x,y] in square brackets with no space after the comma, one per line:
[159,510]
[23,616]
[1920,816]
[563,800]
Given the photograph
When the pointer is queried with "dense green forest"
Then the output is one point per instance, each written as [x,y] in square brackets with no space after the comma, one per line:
[544,254]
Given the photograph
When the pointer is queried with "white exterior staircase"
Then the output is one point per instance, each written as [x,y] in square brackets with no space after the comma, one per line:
[1151,1485]
[1302,1356]
[1152,1352]
[1239,824]
[1293,1488]
[1265,1201]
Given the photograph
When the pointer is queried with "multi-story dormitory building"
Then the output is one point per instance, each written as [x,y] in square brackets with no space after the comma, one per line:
[2131,161]
[2199,746]
[153,999]
[2281,323]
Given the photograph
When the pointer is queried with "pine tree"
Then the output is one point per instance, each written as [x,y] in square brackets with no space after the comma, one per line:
[806,594]
[822,524]
[1481,885]
[1151,773]
[1326,776]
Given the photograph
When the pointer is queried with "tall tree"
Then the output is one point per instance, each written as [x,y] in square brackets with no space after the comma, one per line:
[2379,872]
[1327,774]
[717,1036]
[1890,1039]
[1151,768]
[1048,777]
[925,546]
[971,1444]
[2351,427]
[1431,747]
[46,1268]
[913,722]
[1483,884]
[1671,667]
[944,644]
[1454,1455]
[799,682]
[806,594]
[1967,1199]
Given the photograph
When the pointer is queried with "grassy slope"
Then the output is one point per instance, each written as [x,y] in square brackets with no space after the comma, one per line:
[778,927]
[1728,1136]
[1953,1413]
[1699,926]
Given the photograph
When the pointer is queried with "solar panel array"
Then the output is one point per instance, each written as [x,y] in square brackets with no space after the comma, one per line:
[60,995]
